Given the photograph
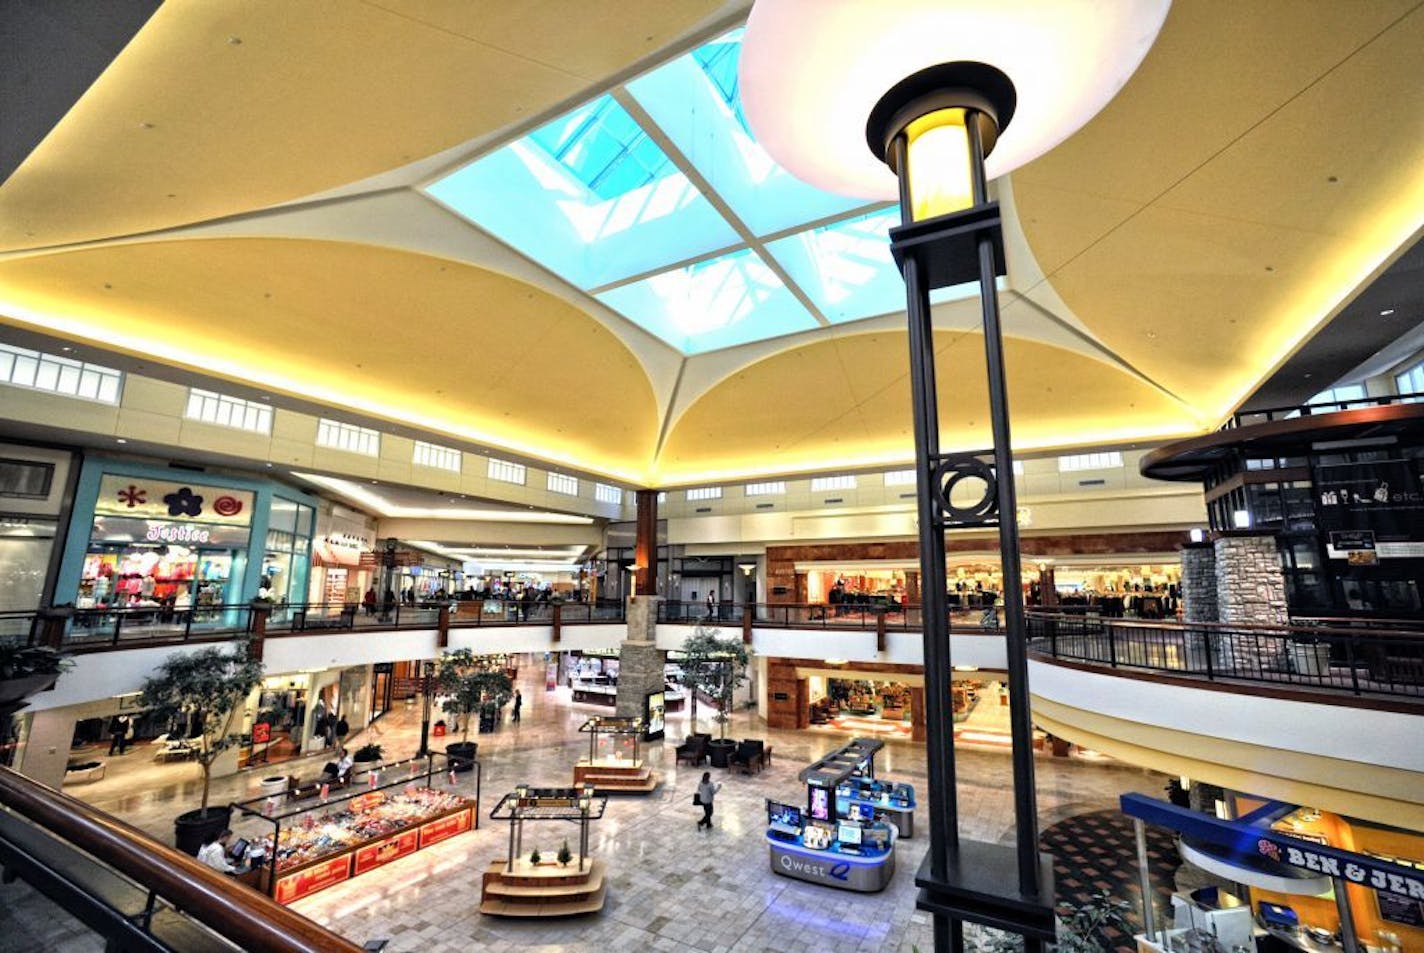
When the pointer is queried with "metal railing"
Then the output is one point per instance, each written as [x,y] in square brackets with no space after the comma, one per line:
[1358,660]
[1246,418]
[132,890]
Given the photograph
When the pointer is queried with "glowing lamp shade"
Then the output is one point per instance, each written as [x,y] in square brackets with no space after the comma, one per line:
[812,70]
[938,163]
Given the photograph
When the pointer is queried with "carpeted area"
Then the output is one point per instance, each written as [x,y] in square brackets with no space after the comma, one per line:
[1098,851]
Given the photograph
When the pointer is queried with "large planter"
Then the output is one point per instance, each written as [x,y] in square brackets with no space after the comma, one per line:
[194,827]
[462,755]
[14,690]
[721,752]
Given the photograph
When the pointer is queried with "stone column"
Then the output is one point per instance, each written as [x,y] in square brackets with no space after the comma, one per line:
[1251,590]
[1199,602]
[640,661]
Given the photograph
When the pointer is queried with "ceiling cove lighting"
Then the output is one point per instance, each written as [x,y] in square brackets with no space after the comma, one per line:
[947,94]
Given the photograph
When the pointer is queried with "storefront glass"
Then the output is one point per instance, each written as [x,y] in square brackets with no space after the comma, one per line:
[26,543]
[286,563]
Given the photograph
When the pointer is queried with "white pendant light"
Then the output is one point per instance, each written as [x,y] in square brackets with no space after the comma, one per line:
[812,70]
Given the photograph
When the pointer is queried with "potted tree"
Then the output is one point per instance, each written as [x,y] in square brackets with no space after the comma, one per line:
[26,670]
[467,685]
[716,667]
[209,686]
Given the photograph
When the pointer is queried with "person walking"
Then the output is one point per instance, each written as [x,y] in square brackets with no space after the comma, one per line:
[706,792]
[118,733]
[518,704]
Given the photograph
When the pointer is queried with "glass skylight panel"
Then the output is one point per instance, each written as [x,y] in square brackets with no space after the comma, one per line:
[772,488]
[506,471]
[846,482]
[694,101]
[590,197]
[225,410]
[900,478]
[1089,461]
[604,493]
[433,455]
[348,437]
[562,483]
[22,367]
[713,304]
[704,493]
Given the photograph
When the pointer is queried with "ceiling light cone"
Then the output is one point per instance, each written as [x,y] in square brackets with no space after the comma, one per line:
[812,70]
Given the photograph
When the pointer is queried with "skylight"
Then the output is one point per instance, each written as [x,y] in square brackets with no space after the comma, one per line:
[655,199]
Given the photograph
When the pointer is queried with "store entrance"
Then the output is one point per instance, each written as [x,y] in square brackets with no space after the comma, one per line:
[167,577]
[880,707]
[382,685]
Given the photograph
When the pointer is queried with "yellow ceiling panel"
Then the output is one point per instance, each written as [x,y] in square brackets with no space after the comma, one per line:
[225,106]
[774,417]
[426,342]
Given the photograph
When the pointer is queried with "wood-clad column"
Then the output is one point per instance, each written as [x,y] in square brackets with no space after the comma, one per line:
[917,713]
[645,548]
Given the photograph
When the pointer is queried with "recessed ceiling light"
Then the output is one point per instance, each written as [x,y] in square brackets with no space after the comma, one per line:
[269,466]
[66,349]
[373,482]
[121,440]
[1386,312]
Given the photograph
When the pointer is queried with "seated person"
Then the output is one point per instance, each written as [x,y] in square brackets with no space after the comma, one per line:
[340,770]
[214,852]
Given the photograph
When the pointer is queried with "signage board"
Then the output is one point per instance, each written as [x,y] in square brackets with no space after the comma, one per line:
[123,529]
[261,733]
[383,852]
[655,711]
[318,876]
[1380,502]
[859,874]
[142,498]
[444,828]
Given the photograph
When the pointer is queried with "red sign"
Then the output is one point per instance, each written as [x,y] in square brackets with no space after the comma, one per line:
[261,733]
[314,878]
[227,506]
[383,852]
[446,827]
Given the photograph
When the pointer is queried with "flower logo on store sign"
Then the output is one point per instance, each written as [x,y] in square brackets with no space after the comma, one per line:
[133,496]
[226,505]
[184,502]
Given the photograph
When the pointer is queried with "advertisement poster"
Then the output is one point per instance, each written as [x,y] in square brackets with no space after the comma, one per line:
[446,827]
[654,719]
[1380,502]
[374,855]
[314,878]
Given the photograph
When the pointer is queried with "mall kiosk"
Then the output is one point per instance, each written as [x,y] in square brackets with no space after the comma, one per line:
[820,844]
[555,882]
[389,812]
[613,764]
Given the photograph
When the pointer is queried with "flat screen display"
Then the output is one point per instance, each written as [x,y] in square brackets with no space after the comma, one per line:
[848,833]
[820,804]
[783,814]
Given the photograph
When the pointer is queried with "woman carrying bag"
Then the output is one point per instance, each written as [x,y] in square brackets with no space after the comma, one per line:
[706,792]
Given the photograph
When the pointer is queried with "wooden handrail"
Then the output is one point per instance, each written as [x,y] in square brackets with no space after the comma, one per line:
[1285,629]
[249,919]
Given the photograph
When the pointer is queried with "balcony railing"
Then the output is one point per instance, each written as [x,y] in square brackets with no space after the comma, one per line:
[1248,417]
[1359,660]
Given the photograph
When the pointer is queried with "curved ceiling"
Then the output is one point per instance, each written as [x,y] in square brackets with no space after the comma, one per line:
[850,405]
[1258,169]
[399,336]
[218,108]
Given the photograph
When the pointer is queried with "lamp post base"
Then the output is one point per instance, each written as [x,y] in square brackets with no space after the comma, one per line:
[980,887]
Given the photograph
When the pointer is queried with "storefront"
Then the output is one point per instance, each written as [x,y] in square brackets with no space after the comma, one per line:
[141,538]
[32,485]
[338,576]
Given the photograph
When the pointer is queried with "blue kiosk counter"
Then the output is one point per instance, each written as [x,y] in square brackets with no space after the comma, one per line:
[837,842]
[861,798]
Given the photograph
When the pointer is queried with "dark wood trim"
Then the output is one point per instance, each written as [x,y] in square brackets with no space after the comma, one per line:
[1282,693]
[244,916]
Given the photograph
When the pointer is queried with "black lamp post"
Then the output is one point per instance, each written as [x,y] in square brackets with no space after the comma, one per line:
[427,670]
[934,129]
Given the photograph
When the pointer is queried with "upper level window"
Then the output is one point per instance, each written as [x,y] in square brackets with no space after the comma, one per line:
[563,483]
[22,367]
[225,411]
[434,455]
[705,493]
[1089,461]
[900,478]
[1338,395]
[774,488]
[1410,381]
[349,437]
[506,472]
[604,493]
[832,483]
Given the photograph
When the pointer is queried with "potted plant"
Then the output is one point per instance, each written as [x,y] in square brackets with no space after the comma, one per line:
[534,857]
[715,666]
[467,684]
[1083,930]
[367,752]
[27,670]
[565,855]
[209,686]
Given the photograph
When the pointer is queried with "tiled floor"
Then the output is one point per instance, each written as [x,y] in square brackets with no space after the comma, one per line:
[671,886]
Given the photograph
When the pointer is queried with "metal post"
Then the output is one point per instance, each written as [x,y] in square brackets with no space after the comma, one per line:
[1020,725]
[1348,939]
[1149,925]
[939,742]
[425,709]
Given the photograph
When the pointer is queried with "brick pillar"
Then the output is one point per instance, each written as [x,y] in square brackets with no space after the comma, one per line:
[442,624]
[1250,590]
[640,661]
[1199,604]
[558,622]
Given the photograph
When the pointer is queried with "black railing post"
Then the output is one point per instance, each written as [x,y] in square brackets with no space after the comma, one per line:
[1112,644]
[1350,656]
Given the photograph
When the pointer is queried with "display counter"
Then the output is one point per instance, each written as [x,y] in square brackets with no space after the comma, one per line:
[319,845]
[859,798]
[817,855]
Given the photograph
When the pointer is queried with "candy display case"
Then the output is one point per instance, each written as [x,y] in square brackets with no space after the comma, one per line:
[401,808]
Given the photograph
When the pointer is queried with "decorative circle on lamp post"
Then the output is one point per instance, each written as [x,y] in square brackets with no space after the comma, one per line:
[960,472]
